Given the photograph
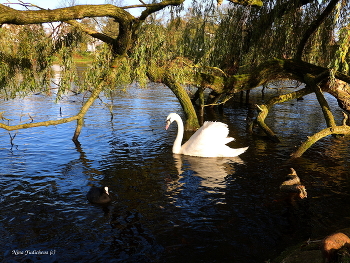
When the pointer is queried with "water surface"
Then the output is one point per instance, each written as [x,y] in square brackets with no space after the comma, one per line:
[165,208]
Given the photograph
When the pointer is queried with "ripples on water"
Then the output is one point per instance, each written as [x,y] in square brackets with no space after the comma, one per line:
[165,208]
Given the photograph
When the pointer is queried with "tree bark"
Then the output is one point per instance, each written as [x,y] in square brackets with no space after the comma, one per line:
[263,111]
[16,17]
[191,123]
[309,80]
[279,69]
[78,129]
[165,75]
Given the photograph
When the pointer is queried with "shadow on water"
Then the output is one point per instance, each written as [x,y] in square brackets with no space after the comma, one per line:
[165,207]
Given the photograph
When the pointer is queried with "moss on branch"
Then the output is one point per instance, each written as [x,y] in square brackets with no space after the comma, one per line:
[310,80]
[344,129]
[258,3]
[264,110]
[19,17]
[205,80]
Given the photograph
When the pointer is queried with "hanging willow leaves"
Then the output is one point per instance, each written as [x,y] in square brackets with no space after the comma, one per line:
[340,62]
[25,60]
[100,69]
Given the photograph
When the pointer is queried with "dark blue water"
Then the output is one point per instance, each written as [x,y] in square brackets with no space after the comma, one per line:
[165,208]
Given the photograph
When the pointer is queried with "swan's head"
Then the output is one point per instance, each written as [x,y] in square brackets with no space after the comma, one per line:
[171,117]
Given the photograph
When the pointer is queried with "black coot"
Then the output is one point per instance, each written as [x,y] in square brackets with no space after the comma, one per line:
[98,195]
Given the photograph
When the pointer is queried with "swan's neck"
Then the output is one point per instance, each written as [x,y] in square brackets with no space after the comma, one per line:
[180,134]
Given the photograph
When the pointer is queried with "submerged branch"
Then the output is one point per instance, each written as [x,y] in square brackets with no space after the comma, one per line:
[79,117]
[344,129]
[38,124]
[321,100]
[264,110]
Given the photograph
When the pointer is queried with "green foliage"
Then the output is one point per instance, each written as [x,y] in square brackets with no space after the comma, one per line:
[64,45]
[24,60]
[26,56]
[100,69]
[340,62]
[220,41]
[157,52]
[237,39]
[111,28]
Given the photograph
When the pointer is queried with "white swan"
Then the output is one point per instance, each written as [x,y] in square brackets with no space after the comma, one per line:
[208,141]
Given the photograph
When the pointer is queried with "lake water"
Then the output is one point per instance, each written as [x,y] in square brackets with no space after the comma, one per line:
[165,208]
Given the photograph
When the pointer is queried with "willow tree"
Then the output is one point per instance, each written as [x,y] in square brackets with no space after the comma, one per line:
[29,68]
[240,48]
[122,61]
[229,50]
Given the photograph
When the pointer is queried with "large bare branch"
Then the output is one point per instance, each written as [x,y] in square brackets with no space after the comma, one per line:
[19,17]
[91,32]
[152,8]
[248,2]
[68,14]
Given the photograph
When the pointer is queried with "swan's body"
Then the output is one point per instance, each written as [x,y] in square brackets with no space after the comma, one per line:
[208,141]
[98,195]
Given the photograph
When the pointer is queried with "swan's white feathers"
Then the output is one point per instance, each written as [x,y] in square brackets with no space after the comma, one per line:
[211,133]
[208,141]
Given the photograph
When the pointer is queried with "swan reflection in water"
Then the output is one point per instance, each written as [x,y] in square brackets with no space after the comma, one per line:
[200,182]
[211,172]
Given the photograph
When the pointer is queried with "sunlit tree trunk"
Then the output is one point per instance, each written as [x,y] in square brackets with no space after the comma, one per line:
[186,103]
